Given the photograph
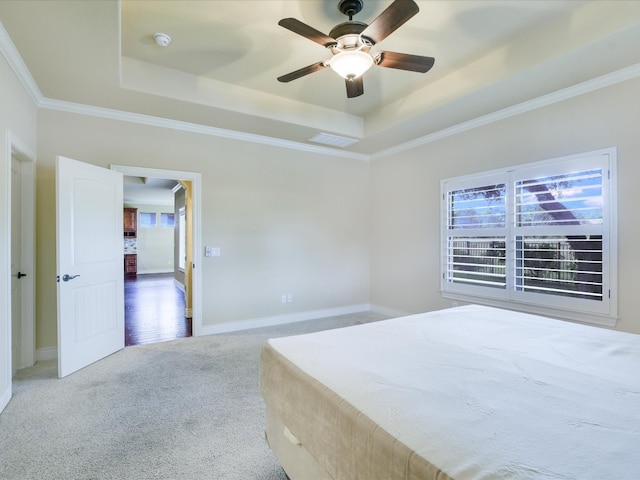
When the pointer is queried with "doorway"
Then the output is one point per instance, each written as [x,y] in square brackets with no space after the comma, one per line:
[16,266]
[161,299]
[22,259]
[17,343]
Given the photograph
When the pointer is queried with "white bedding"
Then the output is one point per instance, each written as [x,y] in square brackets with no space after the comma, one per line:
[483,393]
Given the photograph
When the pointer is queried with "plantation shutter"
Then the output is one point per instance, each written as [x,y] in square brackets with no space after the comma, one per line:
[559,233]
[476,225]
[539,235]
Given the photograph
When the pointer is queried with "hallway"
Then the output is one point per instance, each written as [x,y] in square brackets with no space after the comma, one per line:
[154,310]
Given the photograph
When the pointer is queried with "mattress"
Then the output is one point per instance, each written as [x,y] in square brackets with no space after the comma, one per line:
[464,393]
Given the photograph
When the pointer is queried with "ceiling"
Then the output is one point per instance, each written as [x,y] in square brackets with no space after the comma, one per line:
[148,191]
[221,66]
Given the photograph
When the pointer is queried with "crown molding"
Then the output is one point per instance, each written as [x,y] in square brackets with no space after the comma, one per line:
[112,114]
[16,63]
[567,93]
[9,51]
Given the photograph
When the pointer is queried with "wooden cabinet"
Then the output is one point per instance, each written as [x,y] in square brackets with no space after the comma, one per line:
[130,220]
[130,264]
[130,224]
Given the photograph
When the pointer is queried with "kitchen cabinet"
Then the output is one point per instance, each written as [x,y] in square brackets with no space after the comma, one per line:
[130,227]
[130,220]
[130,264]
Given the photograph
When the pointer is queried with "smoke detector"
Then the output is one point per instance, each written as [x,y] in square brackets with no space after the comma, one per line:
[162,39]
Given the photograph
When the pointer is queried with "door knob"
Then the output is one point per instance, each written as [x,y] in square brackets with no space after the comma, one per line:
[66,277]
[20,275]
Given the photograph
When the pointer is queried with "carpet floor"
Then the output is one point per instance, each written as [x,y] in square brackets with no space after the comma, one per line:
[183,409]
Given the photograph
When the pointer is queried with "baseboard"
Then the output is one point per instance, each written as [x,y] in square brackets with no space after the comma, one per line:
[390,312]
[281,319]
[44,354]
[154,271]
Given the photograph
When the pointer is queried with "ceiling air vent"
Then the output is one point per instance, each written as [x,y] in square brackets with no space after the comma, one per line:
[333,140]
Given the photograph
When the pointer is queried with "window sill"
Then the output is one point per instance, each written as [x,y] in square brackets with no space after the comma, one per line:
[571,315]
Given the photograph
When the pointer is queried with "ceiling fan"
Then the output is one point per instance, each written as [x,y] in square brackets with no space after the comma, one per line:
[350,43]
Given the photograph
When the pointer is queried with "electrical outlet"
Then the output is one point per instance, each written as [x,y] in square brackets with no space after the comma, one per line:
[289,298]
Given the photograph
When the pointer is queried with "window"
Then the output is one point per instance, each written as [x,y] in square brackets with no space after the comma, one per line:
[148,219]
[538,237]
[167,220]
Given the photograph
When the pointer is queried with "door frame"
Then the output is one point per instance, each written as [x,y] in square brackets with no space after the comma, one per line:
[195,179]
[17,149]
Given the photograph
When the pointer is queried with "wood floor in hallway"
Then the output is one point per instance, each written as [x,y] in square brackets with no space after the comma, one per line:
[154,310]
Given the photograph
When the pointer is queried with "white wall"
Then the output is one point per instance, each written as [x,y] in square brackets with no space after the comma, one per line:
[155,245]
[287,222]
[17,123]
[405,266]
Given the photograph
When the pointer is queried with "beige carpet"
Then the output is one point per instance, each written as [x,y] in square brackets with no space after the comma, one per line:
[185,409]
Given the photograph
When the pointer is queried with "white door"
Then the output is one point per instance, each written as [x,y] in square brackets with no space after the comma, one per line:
[8,361]
[89,264]
[16,269]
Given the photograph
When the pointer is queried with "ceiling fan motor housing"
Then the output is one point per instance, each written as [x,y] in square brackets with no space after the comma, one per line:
[347,28]
[350,7]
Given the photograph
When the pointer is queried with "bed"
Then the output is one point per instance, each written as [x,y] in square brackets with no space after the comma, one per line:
[464,393]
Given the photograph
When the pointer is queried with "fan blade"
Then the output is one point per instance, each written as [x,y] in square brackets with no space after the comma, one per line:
[390,20]
[405,61]
[355,87]
[302,72]
[296,26]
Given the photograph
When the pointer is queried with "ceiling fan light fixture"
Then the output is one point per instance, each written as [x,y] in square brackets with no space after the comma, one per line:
[351,64]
